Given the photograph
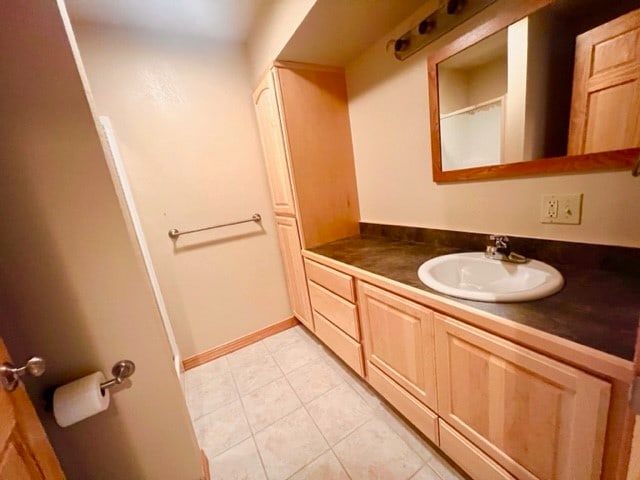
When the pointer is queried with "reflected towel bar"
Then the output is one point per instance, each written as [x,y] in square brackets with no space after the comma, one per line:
[175,233]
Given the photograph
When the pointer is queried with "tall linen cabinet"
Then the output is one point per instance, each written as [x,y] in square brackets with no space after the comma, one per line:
[303,119]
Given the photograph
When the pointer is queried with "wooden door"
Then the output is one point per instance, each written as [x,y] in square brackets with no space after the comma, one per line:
[538,418]
[606,88]
[274,147]
[294,269]
[398,339]
[25,452]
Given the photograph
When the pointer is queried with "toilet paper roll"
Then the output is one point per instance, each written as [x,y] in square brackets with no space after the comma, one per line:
[80,399]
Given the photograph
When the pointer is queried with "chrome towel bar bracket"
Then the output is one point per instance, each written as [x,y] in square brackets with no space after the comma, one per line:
[174,233]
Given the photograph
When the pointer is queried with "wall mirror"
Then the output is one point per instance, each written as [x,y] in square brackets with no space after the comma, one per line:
[542,87]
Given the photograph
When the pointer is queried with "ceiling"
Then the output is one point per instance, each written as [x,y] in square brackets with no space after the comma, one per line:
[224,20]
[335,32]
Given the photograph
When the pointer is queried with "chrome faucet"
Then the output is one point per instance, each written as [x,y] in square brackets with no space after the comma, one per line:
[501,250]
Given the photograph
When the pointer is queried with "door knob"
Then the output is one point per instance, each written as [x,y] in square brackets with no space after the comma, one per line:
[10,375]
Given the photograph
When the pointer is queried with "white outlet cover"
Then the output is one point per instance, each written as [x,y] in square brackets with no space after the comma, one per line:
[568,212]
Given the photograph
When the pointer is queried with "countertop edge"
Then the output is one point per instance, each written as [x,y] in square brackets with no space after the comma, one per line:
[559,348]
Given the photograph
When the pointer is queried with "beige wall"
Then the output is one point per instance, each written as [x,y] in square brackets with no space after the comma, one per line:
[271,32]
[183,116]
[72,285]
[389,120]
[487,81]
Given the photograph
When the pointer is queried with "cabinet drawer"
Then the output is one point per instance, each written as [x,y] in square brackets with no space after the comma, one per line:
[338,311]
[334,281]
[342,345]
[470,458]
[420,416]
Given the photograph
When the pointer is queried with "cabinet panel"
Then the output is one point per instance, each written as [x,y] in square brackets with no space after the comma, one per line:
[342,345]
[398,339]
[315,116]
[273,146]
[294,269]
[606,87]
[338,311]
[538,418]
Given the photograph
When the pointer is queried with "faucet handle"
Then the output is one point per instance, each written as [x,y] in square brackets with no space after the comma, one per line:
[501,240]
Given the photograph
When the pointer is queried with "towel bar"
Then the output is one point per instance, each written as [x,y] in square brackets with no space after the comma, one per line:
[174,233]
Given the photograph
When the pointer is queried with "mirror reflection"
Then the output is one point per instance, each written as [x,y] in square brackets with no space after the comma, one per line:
[562,81]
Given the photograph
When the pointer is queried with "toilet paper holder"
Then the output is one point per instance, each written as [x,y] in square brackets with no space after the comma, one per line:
[120,371]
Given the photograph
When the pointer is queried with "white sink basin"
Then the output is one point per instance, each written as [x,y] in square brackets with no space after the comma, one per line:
[475,277]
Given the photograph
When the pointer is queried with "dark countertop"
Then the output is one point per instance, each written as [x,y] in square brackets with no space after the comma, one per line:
[596,308]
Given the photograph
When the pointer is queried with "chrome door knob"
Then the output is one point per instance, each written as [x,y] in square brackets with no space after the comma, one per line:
[10,375]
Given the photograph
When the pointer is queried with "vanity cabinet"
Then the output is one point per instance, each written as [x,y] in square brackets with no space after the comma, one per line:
[538,418]
[303,120]
[500,406]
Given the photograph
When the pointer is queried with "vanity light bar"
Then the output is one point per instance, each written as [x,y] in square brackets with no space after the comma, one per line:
[449,15]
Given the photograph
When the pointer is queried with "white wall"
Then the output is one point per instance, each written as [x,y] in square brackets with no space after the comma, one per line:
[72,284]
[183,116]
[389,120]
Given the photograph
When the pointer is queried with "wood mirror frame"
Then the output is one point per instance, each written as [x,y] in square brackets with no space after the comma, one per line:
[612,160]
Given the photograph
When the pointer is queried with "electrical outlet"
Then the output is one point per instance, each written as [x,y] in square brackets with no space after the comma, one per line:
[549,207]
[565,209]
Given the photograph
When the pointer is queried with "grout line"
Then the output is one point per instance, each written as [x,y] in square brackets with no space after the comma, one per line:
[312,420]
[244,413]
[224,404]
[319,430]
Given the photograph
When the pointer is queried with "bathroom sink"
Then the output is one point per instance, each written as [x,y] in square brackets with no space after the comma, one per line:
[474,277]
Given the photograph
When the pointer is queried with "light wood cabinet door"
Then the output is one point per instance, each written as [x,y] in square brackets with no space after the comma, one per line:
[538,418]
[606,88]
[294,269]
[25,452]
[399,340]
[265,99]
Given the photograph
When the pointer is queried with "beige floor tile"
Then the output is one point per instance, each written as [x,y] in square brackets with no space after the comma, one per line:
[375,451]
[404,431]
[282,339]
[270,403]
[207,393]
[290,444]
[249,355]
[339,412]
[241,462]
[326,467]
[368,394]
[312,380]
[222,429]
[426,473]
[257,374]
[444,469]
[296,355]
[204,373]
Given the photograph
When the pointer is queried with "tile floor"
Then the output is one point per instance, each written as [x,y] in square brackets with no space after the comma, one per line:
[286,408]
